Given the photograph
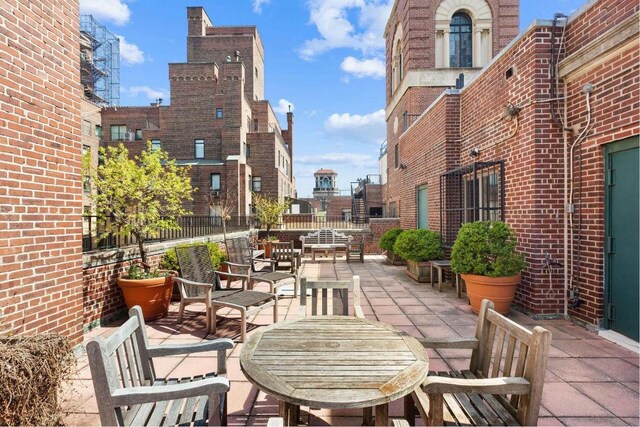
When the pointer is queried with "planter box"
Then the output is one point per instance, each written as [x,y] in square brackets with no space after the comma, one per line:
[394,259]
[419,271]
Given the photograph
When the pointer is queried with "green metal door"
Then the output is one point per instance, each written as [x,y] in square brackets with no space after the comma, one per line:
[423,207]
[622,270]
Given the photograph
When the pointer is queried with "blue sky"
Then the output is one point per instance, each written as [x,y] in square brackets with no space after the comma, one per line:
[323,57]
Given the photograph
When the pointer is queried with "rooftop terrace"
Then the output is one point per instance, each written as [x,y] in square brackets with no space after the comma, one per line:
[589,380]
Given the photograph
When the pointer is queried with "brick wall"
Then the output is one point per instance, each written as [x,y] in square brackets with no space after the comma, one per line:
[532,148]
[40,168]
[378,227]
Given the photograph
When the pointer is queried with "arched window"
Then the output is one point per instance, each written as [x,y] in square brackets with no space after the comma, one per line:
[400,65]
[460,41]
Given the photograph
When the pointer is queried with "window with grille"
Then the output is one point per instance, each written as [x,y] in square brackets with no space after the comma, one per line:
[460,41]
[471,193]
[256,184]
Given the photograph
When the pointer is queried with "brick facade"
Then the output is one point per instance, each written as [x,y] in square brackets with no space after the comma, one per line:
[532,146]
[40,169]
[247,136]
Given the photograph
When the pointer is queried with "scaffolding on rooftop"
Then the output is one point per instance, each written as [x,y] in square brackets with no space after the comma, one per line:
[99,62]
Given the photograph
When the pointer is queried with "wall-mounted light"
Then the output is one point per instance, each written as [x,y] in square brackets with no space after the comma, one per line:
[475,152]
[402,166]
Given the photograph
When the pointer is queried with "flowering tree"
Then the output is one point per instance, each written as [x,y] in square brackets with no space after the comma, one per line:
[268,211]
[140,196]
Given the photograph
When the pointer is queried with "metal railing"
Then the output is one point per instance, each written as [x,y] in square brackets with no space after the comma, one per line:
[314,222]
[191,226]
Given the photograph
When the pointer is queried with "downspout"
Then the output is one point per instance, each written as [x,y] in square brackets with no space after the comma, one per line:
[567,213]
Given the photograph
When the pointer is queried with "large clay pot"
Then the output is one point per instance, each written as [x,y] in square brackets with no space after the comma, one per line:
[152,295]
[500,290]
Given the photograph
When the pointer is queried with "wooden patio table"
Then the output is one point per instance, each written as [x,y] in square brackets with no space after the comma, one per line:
[334,362]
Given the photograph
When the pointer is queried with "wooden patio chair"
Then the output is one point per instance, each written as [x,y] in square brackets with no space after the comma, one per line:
[129,392]
[503,385]
[199,282]
[284,255]
[339,297]
[241,261]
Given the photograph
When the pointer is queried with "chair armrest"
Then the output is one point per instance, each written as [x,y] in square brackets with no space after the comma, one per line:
[150,394]
[498,385]
[173,349]
[191,282]
[302,311]
[358,311]
[459,343]
[233,264]
[226,273]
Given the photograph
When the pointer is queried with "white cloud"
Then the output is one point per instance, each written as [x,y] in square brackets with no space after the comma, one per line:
[130,53]
[152,94]
[363,68]
[355,24]
[367,128]
[257,5]
[355,160]
[114,11]
[283,106]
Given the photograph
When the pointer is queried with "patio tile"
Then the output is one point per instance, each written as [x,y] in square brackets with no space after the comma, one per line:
[395,319]
[82,419]
[549,421]
[575,370]
[458,319]
[436,332]
[634,386]
[381,301]
[387,309]
[593,421]
[408,301]
[633,360]
[579,348]
[241,398]
[444,310]
[563,400]
[416,309]
[617,398]
[426,320]
[611,348]
[614,369]
[632,421]
[265,405]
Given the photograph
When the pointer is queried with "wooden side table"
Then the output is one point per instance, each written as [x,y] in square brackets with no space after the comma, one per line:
[445,265]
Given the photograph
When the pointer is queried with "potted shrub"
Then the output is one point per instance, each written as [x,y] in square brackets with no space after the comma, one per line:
[138,198]
[418,247]
[387,240]
[485,255]
[268,213]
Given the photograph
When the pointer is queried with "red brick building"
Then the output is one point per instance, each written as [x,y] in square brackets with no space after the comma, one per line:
[218,121]
[557,160]
[40,169]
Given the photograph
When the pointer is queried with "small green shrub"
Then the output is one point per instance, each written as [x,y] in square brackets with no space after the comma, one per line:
[388,238]
[137,272]
[418,245]
[170,260]
[486,248]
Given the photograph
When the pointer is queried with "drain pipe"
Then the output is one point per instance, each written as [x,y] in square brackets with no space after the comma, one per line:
[567,208]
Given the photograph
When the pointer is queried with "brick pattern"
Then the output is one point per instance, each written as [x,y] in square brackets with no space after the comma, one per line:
[532,148]
[40,168]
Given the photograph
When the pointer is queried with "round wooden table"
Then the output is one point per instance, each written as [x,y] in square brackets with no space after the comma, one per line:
[334,362]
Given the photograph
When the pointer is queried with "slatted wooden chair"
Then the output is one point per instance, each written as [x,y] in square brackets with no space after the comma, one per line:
[284,255]
[199,282]
[338,302]
[241,261]
[503,385]
[129,392]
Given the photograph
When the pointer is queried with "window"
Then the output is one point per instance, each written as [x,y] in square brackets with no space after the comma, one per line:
[199,148]
[393,210]
[460,42]
[138,134]
[248,150]
[255,125]
[219,113]
[117,132]
[256,184]
[471,193]
[86,127]
[155,144]
[244,148]
[86,179]
[396,154]
[405,121]
[215,181]
[99,131]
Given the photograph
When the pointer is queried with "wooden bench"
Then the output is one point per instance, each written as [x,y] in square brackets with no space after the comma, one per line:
[129,393]
[503,385]
[329,240]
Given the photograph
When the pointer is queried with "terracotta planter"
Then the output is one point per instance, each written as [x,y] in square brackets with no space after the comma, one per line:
[419,271]
[153,295]
[266,244]
[394,259]
[500,290]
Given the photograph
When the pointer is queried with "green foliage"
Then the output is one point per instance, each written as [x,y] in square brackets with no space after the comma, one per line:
[486,248]
[388,238]
[268,211]
[139,196]
[170,260]
[136,272]
[418,245]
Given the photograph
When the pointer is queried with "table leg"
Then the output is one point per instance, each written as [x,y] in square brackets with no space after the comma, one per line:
[440,279]
[289,412]
[334,255]
[367,416]
[431,274]
[382,414]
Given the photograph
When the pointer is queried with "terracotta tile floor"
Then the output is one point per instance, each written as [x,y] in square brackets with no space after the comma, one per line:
[589,381]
